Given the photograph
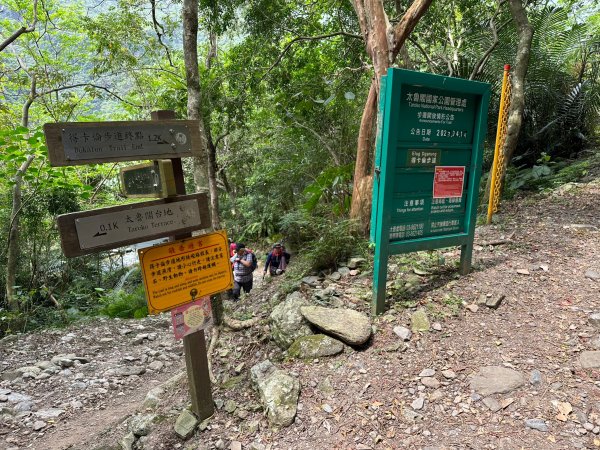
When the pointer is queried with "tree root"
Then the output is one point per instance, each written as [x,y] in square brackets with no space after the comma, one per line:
[233,324]
[237,325]
[214,338]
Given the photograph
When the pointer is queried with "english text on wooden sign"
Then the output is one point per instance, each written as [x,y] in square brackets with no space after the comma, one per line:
[76,143]
[103,229]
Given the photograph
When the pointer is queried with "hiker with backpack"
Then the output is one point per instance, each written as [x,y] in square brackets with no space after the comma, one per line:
[244,263]
[277,260]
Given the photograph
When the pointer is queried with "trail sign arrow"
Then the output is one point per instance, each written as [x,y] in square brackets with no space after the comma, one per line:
[103,229]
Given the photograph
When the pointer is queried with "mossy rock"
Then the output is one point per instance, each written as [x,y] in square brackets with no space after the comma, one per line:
[233,382]
[419,321]
[315,346]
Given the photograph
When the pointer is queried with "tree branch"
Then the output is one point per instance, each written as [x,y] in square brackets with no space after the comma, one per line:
[305,38]
[432,64]
[99,186]
[73,86]
[21,30]
[333,154]
[359,9]
[18,176]
[483,60]
[159,35]
[408,22]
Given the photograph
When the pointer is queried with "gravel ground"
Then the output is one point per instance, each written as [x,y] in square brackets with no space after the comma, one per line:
[541,258]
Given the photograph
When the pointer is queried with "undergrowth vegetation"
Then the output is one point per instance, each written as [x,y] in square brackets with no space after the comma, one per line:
[548,174]
[124,304]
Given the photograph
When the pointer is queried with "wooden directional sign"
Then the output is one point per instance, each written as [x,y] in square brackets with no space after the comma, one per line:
[178,272]
[428,160]
[77,143]
[103,229]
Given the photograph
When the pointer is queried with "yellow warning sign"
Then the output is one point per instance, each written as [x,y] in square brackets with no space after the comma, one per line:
[179,272]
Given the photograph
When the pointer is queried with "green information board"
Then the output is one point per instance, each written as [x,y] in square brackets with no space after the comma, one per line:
[430,133]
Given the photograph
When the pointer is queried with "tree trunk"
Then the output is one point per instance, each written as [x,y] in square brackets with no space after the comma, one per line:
[212,183]
[205,162]
[517,102]
[382,42]
[192,75]
[363,181]
[17,195]
[13,236]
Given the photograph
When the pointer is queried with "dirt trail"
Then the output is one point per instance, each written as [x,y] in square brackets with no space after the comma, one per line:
[373,397]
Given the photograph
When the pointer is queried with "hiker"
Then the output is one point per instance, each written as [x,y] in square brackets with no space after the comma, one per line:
[277,260]
[244,264]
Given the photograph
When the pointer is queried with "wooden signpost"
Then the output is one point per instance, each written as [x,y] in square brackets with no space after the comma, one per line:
[428,160]
[176,217]
[92,231]
[76,143]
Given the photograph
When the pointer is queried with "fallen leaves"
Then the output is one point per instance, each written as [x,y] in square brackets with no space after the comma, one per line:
[564,409]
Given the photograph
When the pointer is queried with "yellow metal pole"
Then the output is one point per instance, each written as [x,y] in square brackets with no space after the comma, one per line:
[497,149]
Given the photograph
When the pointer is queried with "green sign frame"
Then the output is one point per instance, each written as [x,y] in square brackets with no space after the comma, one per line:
[429,152]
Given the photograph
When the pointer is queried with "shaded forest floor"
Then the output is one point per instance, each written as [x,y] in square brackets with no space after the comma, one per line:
[537,255]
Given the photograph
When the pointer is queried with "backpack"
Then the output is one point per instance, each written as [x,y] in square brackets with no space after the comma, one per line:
[254,261]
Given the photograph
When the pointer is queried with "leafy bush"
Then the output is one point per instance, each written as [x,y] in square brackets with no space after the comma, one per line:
[323,241]
[336,243]
[333,187]
[548,175]
[298,227]
[125,305]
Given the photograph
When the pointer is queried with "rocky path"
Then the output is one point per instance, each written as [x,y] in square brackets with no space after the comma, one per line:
[504,358]
[62,387]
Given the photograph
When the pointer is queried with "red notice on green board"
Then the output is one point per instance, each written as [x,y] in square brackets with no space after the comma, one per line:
[448,181]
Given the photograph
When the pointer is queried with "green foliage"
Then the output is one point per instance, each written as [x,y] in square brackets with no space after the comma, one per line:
[562,87]
[453,303]
[298,227]
[324,242]
[549,174]
[125,305]
[529,176]
[336,243]
[333,187]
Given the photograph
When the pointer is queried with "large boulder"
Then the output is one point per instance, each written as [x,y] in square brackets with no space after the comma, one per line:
[349,326]
[496,380]
[315,346]
[278,391]
[287,322]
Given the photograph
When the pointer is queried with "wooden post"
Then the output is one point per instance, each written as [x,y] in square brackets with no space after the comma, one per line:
[379,279]
[466,254]
[194,345]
